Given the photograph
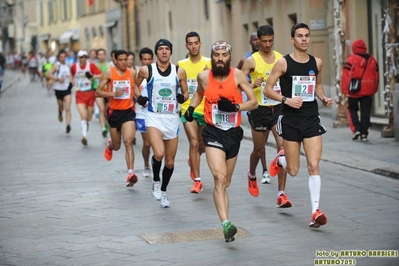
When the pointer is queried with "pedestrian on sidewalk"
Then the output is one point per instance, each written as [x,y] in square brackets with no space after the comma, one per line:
[359,83]
[300,81]
[117,84]
[222,87]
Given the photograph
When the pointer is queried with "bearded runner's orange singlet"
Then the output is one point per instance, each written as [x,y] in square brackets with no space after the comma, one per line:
[124,83]
[213,92]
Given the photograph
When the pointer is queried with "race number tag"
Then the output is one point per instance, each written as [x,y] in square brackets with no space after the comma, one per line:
[304,87]
[266,100]
[123,85]
[223,120]
[192,87]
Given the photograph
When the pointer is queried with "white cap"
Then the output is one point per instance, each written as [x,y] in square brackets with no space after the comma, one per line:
[82,53]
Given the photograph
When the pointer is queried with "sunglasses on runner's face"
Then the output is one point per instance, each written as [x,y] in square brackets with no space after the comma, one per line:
[83,56]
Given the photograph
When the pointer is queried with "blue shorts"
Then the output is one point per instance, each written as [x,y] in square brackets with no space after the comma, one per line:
[140,125]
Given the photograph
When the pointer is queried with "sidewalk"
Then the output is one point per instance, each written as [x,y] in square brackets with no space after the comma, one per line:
[11,77]
[378,155]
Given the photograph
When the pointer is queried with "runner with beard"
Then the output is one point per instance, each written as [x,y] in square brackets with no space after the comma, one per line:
[222,86]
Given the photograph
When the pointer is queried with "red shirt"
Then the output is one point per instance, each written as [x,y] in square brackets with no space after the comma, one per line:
[93,69]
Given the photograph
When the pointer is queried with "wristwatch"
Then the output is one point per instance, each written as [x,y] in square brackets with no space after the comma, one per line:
[283,99]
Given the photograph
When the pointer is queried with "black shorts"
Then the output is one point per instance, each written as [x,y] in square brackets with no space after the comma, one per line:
[297,128]
[60,95]
[264,117]
[228,141]
[117,117]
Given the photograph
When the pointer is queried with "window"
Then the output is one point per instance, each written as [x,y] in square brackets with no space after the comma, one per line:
[64,10]
[293,19]
[148,28]
[206,9]
[270,22]
[101,31]
[50,12]
[87,34]
[81,8]
[137,25]
[41,14]
[101,6]
[256,25]
[170,20]
[94,32]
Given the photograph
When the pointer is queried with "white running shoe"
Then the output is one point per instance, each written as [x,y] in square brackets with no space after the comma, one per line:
[266,179]
[156,190]
[164,201]
[146,172]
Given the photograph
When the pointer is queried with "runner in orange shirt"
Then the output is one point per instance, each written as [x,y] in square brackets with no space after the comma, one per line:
[121,114]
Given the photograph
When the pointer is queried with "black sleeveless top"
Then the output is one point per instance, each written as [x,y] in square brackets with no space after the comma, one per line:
[298,69]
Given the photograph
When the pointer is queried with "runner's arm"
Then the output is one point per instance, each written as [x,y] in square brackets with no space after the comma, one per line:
[183,82]
[199,92]
[103,83]
[319,87]
[242,82]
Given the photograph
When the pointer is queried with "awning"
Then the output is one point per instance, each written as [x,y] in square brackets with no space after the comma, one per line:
[75,35]
[44,37]
[110,24]
[66,36]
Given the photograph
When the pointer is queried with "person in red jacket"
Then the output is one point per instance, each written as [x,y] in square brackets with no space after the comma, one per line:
[363,66]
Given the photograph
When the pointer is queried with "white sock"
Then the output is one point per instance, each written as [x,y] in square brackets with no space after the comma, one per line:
[314,190]
[252,177]
[130,171]
[83,126]
[282,161]
[281,192]
[225,221]
[197,179]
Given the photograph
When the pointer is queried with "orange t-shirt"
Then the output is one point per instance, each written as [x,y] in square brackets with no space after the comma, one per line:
[213,92]
[124,83]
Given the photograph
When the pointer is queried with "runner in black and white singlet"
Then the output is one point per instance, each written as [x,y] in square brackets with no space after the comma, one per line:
[162,121]
[61,75]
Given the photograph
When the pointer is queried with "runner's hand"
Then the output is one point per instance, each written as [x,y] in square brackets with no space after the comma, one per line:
[142,100]
[226,105]
[188,115]
[88,75]
[180,98]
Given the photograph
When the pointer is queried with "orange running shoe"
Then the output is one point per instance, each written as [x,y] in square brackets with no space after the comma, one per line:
[274,167]
[253,186]
[191,170]
[131,179]
[317,219]
[283,202]
[108,151]
[197,187]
